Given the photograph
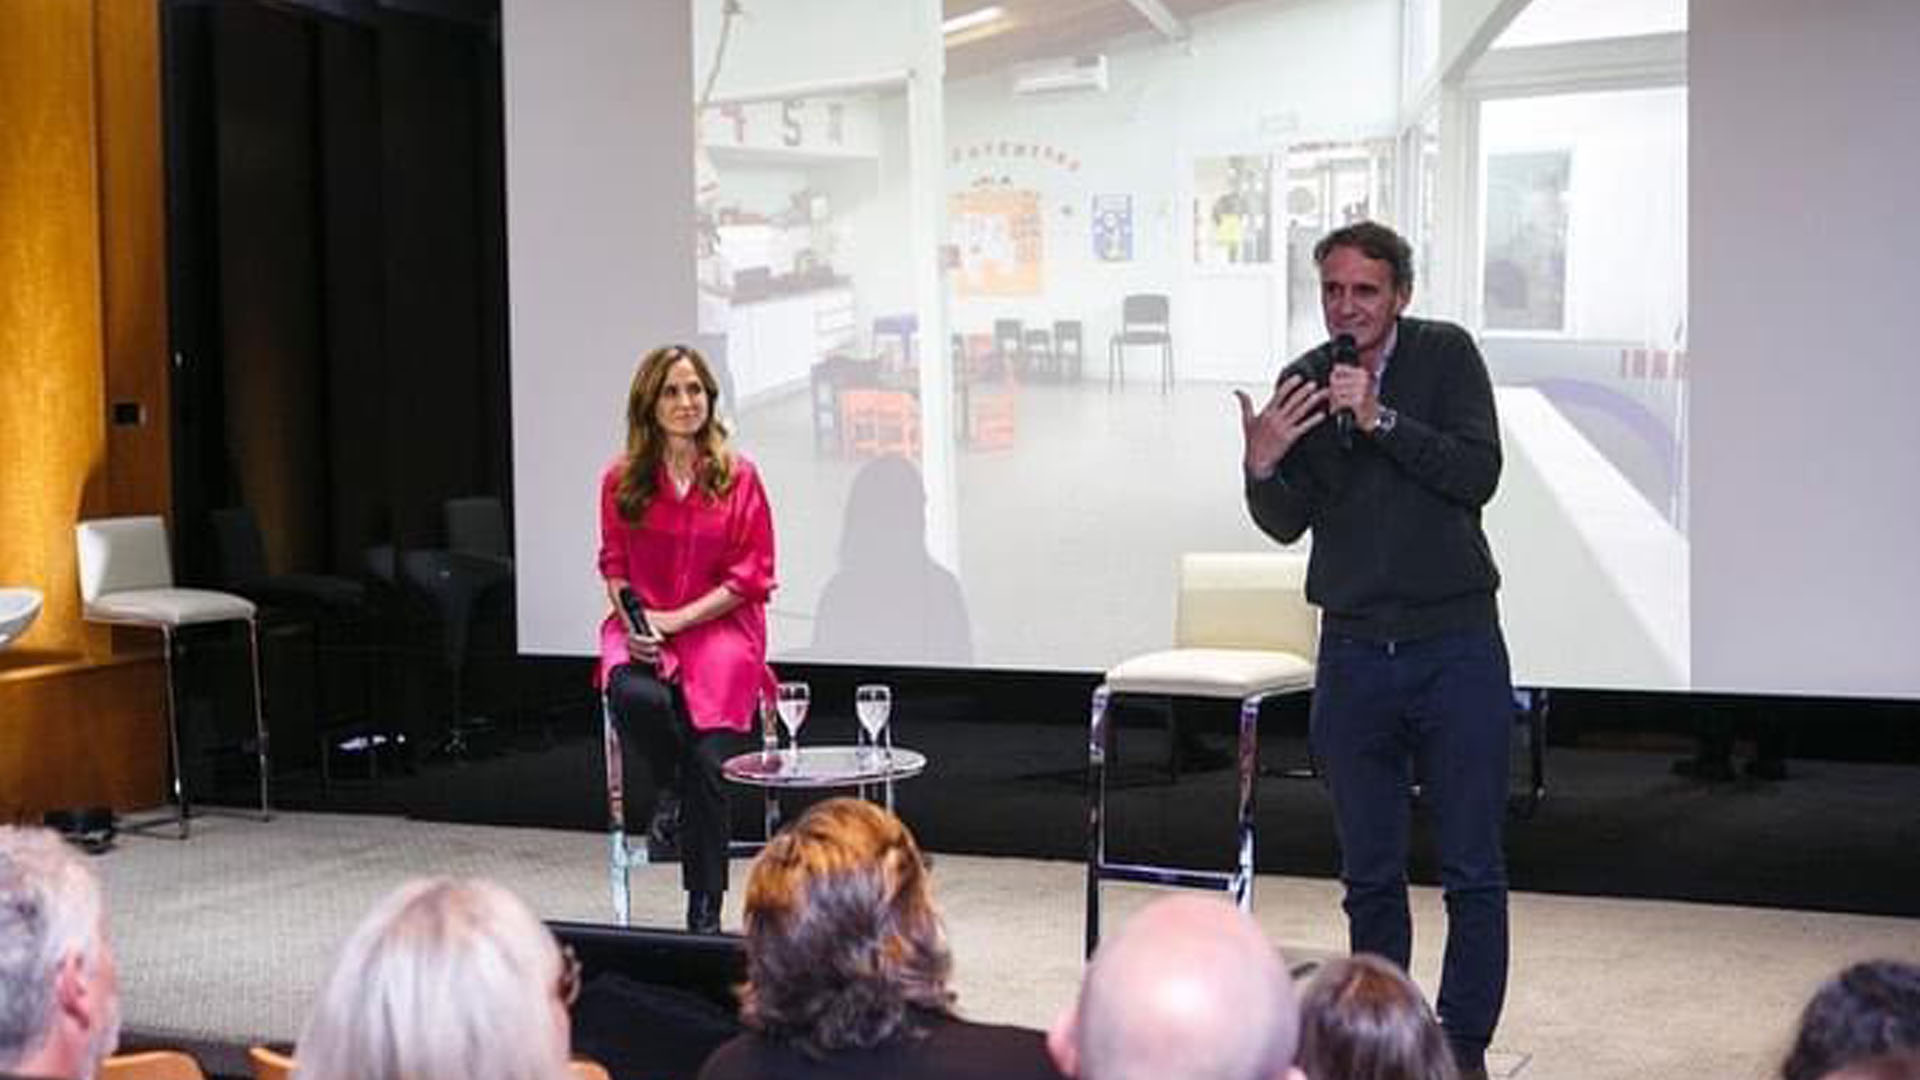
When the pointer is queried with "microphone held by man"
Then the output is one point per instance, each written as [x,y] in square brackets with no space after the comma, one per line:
[1343,353]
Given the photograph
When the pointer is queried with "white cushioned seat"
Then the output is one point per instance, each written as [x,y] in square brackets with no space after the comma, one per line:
[1214,673]
[173,607]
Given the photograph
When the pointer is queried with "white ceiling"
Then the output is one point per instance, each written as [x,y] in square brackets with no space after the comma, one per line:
[1551,22]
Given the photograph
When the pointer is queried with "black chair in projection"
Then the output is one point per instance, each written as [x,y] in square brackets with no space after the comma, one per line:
[1145,319]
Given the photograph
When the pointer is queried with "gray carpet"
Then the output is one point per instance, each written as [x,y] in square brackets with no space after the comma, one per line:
[223,941]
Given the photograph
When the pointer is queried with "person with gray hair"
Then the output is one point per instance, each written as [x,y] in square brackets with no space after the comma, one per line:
[1190,989]
[59,986]
[444,980]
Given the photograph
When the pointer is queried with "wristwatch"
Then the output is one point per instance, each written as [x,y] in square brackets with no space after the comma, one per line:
[1384,421]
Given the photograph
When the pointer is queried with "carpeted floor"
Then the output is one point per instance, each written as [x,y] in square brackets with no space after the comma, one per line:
[224,939]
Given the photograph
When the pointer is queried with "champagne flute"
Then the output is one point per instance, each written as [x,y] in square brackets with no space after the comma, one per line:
[873,703]
[791,702]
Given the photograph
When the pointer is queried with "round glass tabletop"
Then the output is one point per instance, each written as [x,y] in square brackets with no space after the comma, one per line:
[823,766]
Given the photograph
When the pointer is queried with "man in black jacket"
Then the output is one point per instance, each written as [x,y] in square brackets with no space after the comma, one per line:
[1384,443]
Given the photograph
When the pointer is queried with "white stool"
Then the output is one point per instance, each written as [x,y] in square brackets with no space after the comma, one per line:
[126,579]
[1243,632]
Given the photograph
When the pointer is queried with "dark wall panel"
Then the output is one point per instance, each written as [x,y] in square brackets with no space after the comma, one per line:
[269,285]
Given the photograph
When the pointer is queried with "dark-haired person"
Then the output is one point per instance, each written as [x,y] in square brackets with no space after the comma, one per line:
[685,523]
[1412,669]
[1869,1009]
[1361,1018]
[1880,1067]
[847,964]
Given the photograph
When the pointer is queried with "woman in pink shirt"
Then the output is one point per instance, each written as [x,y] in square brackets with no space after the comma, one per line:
[684,524]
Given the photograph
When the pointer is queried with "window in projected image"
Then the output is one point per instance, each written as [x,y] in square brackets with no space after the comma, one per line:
[1329,184]
[1582,313]
[1524,274]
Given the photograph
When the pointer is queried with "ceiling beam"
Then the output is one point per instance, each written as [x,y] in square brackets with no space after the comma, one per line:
[1163,20]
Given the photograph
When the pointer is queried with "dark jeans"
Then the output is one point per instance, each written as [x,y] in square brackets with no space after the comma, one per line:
[1442,705]
[653,716]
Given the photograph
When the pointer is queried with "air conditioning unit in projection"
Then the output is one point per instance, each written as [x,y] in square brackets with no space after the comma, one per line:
[1063,75]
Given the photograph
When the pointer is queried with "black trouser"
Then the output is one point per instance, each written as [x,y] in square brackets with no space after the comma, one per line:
[1443,704]
[653,715]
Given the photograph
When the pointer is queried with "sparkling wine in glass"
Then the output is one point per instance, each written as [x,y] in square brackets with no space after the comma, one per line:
[873,703]
[792,702]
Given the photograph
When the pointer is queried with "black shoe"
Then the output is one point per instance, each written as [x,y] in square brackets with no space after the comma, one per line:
[1471,1063]
[1767,768]
[663,832]
[1711,769]
[703,912]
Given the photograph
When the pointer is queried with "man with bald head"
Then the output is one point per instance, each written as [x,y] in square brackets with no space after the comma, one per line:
[59,988]
[1190,989]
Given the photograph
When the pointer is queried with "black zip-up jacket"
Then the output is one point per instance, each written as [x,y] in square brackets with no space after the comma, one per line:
[1398,552]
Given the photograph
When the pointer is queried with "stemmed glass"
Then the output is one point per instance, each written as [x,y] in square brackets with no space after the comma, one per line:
[791,702]
[873,703]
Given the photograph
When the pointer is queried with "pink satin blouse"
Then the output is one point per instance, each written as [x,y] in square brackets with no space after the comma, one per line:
[680,549]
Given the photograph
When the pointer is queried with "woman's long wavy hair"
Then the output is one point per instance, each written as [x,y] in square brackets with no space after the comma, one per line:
[1363,1019]
[647,444]
[843,942]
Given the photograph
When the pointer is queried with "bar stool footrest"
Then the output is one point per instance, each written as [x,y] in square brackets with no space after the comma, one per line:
[1221,880]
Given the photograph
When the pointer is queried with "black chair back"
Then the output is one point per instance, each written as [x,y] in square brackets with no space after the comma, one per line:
[1145,311]
[477,524]
[239,556]
[1067,337]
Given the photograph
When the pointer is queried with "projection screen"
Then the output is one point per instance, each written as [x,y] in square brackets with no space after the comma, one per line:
[980,319]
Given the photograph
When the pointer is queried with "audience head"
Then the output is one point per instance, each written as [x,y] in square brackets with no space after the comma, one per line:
[1882,1067]
[843,942]
[443,980]
[1363,1019]
[1870,1008]
[59,988]
[1189,988]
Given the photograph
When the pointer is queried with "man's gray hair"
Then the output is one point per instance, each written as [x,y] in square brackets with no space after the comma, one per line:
[50,909]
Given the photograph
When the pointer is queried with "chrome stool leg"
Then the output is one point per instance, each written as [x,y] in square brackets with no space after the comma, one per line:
[262,751]
[1249,764]
[1096,811]
[1238,883]
[180,814]
[622,856]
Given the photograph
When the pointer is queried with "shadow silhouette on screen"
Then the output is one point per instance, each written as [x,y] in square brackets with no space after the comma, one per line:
[889,601]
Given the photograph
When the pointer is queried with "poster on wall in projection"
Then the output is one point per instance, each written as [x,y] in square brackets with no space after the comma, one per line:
[998,234]
[1113,228]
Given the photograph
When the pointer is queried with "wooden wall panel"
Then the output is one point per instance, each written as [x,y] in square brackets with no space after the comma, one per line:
[85,735]
[133,253]
[82,323]
[52,429]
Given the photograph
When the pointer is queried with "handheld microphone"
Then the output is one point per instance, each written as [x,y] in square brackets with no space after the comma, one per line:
[1344,352]
[636,615]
